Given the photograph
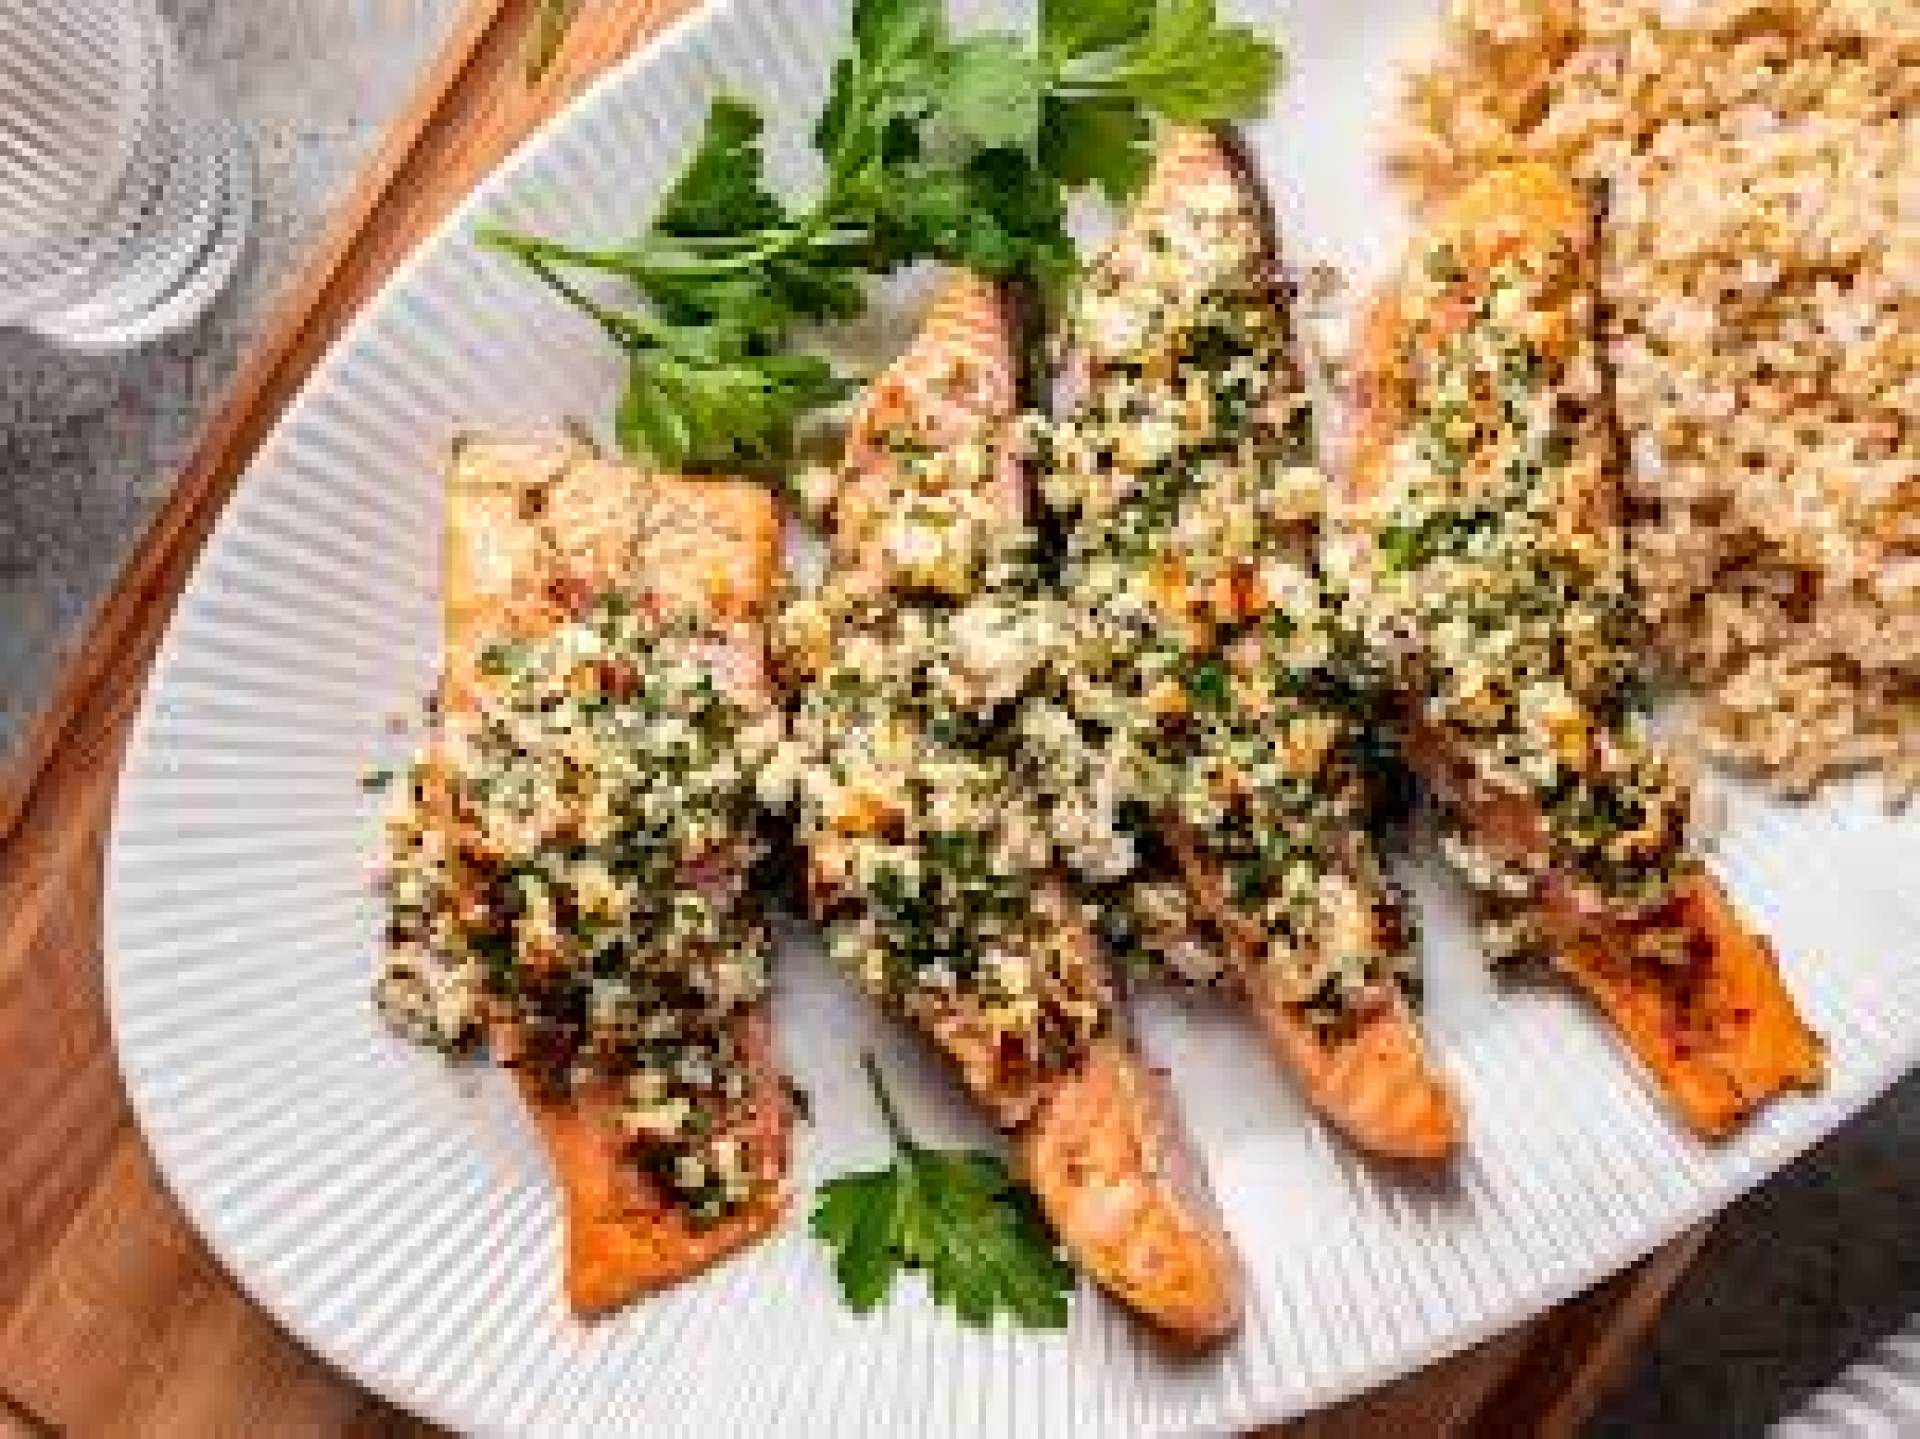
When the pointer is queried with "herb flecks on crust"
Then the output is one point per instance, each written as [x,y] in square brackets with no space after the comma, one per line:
[1496,544]
[565,881]
[1213,667]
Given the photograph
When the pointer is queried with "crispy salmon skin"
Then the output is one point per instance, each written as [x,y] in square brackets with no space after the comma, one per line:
[534,530]
[1719,1031]
[1486,494]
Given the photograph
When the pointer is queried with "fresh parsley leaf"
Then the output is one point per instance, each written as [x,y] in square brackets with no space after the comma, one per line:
[698,410]
[857,1216]
[1194,70]
[648,422]
[1096,142]
[999,215]
[887,33]
[955,1216]
[723,248]
[715,395]
[884,89]
[1185,66]
[1112,65]
[990,94]
[721,193]
[935,148]
[983,1244]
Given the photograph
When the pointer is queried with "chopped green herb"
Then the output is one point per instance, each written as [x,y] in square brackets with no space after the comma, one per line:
[1207,685]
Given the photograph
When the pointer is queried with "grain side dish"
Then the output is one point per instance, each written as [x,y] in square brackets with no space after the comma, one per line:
[1759,163]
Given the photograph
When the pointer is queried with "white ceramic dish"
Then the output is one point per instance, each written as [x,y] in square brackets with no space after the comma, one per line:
[396,1214]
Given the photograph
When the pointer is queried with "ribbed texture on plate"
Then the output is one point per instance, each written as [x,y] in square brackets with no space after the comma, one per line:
[1876,1398]
[396,1214]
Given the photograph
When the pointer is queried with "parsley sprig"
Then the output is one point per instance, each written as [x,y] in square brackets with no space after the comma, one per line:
[955,149]
[956,1216]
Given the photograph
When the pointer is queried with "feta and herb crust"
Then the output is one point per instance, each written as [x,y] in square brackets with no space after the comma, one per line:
[1489,566]
[567,870]
[1212,660]
[929,847]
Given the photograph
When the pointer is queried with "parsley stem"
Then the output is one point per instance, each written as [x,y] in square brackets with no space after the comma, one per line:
[533,251]
[778,242]
[895,1125]
[684,255]
[628,331]
[629,264]
[812,232]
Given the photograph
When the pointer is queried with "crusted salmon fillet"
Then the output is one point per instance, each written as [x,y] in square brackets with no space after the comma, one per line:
[534,531]
[911,830]
[1487,496]
[1185,460]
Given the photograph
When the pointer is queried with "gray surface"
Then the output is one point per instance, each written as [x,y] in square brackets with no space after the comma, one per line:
[87,446]
[1801,1278]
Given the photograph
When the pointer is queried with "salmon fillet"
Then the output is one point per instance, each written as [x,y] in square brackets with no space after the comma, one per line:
[532,529]
[1090,1129]
[955,384]
[1695,994]
[1368,1072]
[1200,231]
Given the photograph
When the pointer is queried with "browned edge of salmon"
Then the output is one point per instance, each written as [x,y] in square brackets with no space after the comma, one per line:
[528,523]
[1719,1032]
[623,1240]
[1098,1144]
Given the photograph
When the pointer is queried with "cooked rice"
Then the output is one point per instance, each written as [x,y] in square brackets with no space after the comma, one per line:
[1761,161]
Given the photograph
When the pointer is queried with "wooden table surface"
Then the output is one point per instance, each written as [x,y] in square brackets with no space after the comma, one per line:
[114,1318]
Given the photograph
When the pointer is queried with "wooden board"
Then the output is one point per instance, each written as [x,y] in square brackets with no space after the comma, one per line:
[114,1319]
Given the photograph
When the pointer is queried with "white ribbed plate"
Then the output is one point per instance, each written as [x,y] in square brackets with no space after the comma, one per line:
[396,1215]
